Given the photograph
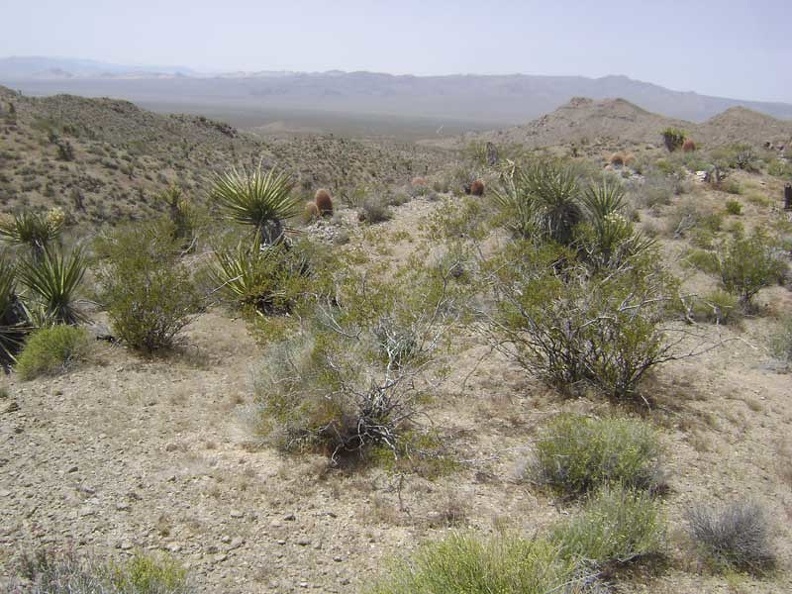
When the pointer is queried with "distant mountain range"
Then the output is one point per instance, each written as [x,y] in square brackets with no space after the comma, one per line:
[493,100]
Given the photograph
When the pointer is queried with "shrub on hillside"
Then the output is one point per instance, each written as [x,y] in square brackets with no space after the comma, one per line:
[576,455]
[572,327]
[46,571]
[33,230]
[150,296]
[53,350]
[615,526]
[465,563]
[748,264]
[735,537]
[781,340]
[673,138]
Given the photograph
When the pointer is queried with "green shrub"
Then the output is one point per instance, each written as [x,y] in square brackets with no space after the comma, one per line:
[469,565]
[573,328]
[53,350]
[51,572]
[270,281]
[576,455]
[149,295]
[734,537]
[615,526]
[673,138]
[734,207]
[747,265]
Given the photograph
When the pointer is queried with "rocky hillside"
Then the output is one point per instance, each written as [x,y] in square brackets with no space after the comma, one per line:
[614,123]
[105,160]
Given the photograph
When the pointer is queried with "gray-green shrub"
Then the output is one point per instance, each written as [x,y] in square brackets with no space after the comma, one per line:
[615,526]
[575,455]
[734,537]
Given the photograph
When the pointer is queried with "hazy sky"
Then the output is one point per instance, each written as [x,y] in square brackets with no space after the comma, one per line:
[732,48]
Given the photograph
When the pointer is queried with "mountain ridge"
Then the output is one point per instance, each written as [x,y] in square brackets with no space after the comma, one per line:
[501,99]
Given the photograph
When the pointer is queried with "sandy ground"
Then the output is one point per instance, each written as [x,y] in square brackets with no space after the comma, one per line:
[130,454]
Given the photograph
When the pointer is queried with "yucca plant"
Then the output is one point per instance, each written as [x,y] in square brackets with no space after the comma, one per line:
[53,281]
[261,200]
[607,238]
[34,230]
[14,318]
[542,200]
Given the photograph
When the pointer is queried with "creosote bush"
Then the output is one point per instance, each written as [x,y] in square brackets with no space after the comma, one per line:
[149,294]
[576,329]
[53,350]
[735,537]
[576,455]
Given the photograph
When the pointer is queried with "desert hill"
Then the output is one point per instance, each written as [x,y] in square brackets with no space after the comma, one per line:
[105,160]
[614,123]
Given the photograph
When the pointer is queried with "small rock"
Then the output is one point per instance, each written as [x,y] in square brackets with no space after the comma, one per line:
[281,541]
[174,547]
[225,539]
[235,543]
[290,517]
[338,559]
[72,469]
[303,542]
[125,545]
[235,513]
[220,558]
[123,506]
[11,407]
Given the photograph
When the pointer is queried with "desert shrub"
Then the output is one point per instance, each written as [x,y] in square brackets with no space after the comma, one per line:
[270,281]
[53,350]
[573,328]
[781,340]
[734,537]
[54,280]
[324,202]
[615,526]
[734,207]
[315,395]
[150,295]
[576,455]
[183,215]
[348,381]
[373,210]
[51,572]
[465,563]
[780,168]
[746,265]
[673,138]
[737,156]
[717,307]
